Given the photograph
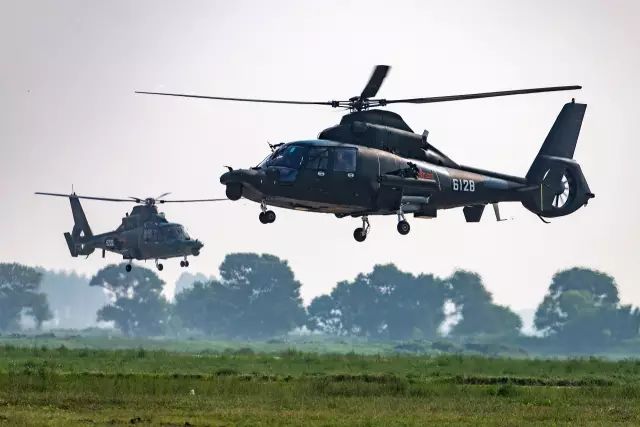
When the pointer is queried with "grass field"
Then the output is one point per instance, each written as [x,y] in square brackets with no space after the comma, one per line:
[61,386]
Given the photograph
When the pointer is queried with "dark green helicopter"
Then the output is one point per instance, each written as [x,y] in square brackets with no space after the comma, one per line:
[372,163]
[143,234]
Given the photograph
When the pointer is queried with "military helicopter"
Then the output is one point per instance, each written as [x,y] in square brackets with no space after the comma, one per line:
[144,233]
[372,163]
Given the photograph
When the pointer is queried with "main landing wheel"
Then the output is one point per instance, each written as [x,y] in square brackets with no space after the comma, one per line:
[359,234]
[127,268]
[160,267]
[267,217]
[403,227]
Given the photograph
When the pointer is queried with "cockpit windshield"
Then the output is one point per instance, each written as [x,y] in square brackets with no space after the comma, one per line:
[176,232]
[288,156]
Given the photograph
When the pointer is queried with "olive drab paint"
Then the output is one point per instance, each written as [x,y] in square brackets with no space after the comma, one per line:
[143,234]
[373,163]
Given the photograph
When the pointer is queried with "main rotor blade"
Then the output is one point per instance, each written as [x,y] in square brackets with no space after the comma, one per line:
[162,195]
[106,199]
[191,201]
[375,81]
[222,98]
[476,95]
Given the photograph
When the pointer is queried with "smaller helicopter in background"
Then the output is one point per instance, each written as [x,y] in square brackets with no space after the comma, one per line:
[144,233]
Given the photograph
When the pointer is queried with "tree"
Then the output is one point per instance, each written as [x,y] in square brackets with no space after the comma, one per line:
[582,310]
[19,286]
[138,307]
[187,279]
[256,296]
[73,302]
[596,289]
[323,315]
[474,305]
[386,303]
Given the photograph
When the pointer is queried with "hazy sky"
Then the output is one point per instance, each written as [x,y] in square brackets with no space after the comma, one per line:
[68,115]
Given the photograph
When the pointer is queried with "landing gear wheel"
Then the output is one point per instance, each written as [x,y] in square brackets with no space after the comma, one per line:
[127,268]
[186,263]
[359,234]
[270,216]
[160,267]
[182,264]
[404,227]
[262,217]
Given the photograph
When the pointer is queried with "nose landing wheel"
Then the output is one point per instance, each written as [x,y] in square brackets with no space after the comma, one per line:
[360,233]
[266,216]
[184,263]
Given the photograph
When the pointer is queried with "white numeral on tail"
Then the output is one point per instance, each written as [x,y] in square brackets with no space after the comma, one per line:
[463,184]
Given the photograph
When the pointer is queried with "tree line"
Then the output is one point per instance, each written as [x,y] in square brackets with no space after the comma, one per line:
[258,297]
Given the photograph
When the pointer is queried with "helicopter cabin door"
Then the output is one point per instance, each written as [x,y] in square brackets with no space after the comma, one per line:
[150,240]
[314,173]
[344,180]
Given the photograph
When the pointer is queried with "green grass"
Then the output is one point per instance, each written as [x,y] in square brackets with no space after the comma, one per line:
[62,386]
[110,342]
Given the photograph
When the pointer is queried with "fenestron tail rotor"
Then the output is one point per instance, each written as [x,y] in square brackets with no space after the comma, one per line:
[365,100]
[562,195]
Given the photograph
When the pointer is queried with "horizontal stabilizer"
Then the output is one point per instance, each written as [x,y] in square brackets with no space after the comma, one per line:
[70,244]
[473,213]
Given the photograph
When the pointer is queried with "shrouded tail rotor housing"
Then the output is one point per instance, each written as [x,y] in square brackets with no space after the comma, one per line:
[561,189]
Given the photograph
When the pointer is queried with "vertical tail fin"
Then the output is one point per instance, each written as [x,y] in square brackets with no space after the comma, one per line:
[561,185]
[80,224]
[81,230]
[562,138]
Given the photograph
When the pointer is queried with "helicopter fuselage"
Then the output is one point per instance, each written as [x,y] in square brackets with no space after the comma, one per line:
[150,241]
[372,163]
[347,179]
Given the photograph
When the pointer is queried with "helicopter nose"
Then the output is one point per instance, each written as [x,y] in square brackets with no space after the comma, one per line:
[226,177]
[231,177]
[196,246]
[234,179]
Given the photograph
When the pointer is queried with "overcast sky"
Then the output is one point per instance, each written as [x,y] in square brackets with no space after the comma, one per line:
[68,115]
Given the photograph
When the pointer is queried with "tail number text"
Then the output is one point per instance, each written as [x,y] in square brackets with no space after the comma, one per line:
[463,184]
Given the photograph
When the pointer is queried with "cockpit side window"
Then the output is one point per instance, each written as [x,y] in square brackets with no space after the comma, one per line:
[345,160]
[317,158]
[175,232]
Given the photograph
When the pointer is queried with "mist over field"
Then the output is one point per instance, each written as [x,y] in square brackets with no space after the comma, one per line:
[256,299]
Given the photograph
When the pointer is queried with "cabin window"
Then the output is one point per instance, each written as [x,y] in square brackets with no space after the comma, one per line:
[150,235]
[344,160]
[318,158]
